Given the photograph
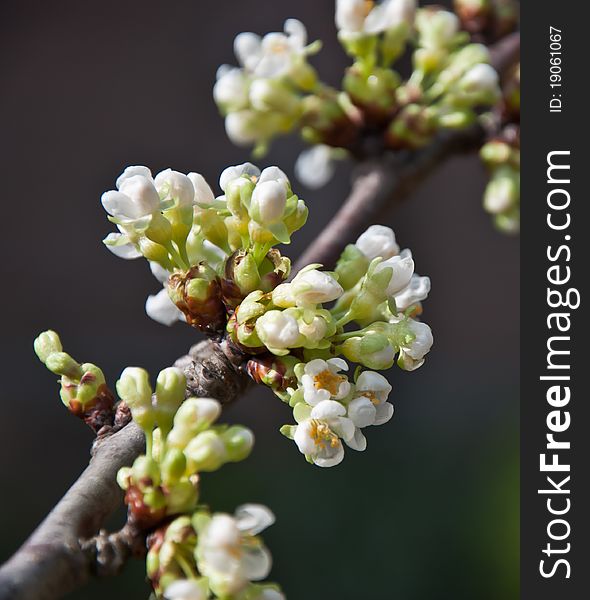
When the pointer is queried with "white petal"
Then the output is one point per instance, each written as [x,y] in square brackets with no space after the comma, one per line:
[144,196]
[358,441]
[297,33]
[328,409]
[378,240]
[403,269]
[256,562]
[159,272]
[253,518]
[175,185]
[127,250]
[131,171]
[161,309]
[337,364]
[272,174]
[247,48]
[416,291]
[384,413]
[374,382]
[362,412]
[203,192]
[316,366]
[184,589]
[231,173]
[332,460]
[315,166]
[344,427]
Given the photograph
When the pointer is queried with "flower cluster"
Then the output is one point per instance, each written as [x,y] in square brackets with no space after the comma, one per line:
[196,554]
[83,388]
[181,442]
[204,555]
[276,91]
[208,252]
[224,276]
[263,97]
[501,155]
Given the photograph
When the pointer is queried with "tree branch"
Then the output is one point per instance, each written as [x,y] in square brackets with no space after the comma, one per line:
[66,550]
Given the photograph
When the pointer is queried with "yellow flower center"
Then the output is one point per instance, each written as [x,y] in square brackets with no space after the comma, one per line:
[326,380]
[372,396]
[322,435]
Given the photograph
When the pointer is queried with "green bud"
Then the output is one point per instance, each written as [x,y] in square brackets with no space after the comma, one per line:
[134,388]
[170,391]
[238,441]
[372,350]
[182,497]
[193,416]
[145,472]
[288,431]
[173,466]
[205,452]
[351,266]
[159,230]
[123,476]
[154,498]
[155,252]
[62,363]
[47,343]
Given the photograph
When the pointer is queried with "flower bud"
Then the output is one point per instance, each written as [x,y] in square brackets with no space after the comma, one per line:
[372,350]
[197,293]
[206,452]
[416,345]
[272,95]
[134,388]
[170,390]
[145,472]
[238,441]
[231,89]
[436,28]
[278,331]
[193,416]
[62,363]
[311,287]
[173,466]
[47,343]
[502,192]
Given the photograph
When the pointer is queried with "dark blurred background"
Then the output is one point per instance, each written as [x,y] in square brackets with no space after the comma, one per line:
[430,510]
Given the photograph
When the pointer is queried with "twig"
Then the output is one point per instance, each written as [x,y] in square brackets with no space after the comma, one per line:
[66,550]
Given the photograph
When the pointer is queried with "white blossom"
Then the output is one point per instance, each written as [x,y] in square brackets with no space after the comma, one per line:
[322,380]
[416,291]
[436,28]
[242,127]
[119,245]
[319,436]
[315,166]
[378,240]
[159,307]
[402,266]
[229,554]
[175,186]
[203,192]
[277,330]
[269,197]
[274,54]
[311,287]
[369,17]
[231,88]
[185,589]
[131,171]
[481,78]
[412,355]
[232,173]
[136,199]
[375,388]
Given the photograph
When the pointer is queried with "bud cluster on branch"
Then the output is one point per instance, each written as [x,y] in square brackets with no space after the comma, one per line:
[452,86]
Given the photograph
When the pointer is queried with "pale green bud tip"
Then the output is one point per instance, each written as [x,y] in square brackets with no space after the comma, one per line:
[62,363]
[170,388]
[134,387]
[239,442]
[173,465]
[47,343]
[145,471]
